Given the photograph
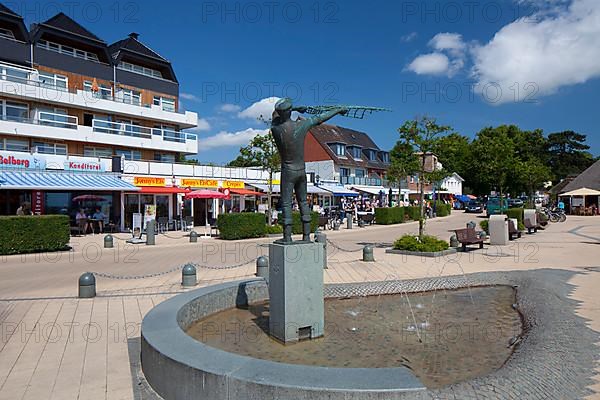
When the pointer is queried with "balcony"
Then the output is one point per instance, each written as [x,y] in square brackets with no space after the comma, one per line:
[25,84]
[65,127]
[353,180]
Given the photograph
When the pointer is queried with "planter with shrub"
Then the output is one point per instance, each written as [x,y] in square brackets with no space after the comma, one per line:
[33,234]
[237,226]
[389,216]
[427,246]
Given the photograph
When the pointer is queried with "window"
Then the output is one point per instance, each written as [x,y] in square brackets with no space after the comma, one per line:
[52,80]
[12,111]
[6,34]
[104,91]
[130,96]
[50,148]
[166,103]
[129,154]
[103,152]
[138,69]
[67,50]
[339,149]
[164,157]
[355,151]
[15,144]
[372,154]
[359,173]
[385,156]
[344,172]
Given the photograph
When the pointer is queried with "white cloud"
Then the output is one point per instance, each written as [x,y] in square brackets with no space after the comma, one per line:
[229,139]
[430,64]
[229,108]
[263,107]
[203,125]
[452,42]
[409,37]
[546,53]
[189,96]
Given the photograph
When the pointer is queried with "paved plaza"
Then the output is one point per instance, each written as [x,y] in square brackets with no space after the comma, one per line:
[56,346]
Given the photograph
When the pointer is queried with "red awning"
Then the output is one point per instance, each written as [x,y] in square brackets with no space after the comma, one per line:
[160,190]
[245,192]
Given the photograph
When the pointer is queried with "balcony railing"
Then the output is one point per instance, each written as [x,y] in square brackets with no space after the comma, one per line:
[353,180]
[119,128]
[46,119]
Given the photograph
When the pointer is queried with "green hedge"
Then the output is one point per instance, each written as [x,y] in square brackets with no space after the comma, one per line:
[412,213]
[389,216]
[274,229]
[241,226]
[442,209]
[297,222]
[485,225]
[516,213]
[33,234]
[425,244]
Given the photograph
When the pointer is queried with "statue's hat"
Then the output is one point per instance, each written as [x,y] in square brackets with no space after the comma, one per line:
[284,104]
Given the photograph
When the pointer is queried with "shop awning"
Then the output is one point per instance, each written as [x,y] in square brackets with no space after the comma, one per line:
[276,189]
[161,190]
[339,191]
[245,192]
[63,181]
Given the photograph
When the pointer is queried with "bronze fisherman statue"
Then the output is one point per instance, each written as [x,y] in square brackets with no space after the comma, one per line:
[289,136]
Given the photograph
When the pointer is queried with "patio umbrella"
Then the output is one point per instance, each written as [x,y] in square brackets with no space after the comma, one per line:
[582,192]
[207,194]
[88,197]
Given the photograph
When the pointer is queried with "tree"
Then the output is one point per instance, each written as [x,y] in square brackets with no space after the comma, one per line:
[533,173]
[419,138]
[567,153]
[454,152]
[261,152]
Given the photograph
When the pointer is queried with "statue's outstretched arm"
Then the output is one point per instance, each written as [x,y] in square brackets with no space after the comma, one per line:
[326,116]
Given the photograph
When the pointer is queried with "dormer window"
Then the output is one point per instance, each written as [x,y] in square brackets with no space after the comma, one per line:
[355,151]
[385,157]
[6,34]
[67,50]
[371,154]
[339,149]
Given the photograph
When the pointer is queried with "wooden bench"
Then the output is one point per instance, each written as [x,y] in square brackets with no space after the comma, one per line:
[468,236]
[530,227]
[513,230]
[367,218]
[323,222]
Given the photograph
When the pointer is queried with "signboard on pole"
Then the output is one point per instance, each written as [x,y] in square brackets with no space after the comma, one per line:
[137,225]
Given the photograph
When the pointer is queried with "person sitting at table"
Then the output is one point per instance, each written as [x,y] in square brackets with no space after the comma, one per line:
[81,216]
[99,217]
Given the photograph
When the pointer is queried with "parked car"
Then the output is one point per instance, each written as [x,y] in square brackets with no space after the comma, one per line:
[493,206]
[515,203]
[474,207]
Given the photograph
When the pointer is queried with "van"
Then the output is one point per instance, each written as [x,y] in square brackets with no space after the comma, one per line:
[493,206]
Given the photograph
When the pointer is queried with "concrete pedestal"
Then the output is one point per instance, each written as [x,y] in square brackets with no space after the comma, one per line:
[296,303]
[498,226]
[530,215]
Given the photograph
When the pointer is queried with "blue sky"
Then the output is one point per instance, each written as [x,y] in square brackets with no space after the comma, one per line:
[470,64]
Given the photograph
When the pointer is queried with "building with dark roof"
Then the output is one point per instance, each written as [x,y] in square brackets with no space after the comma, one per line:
[589,179]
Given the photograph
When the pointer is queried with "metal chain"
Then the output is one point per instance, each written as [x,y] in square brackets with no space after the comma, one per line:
[342,249]
[223,267]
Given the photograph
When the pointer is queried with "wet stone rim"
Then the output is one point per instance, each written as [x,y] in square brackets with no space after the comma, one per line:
[554,360]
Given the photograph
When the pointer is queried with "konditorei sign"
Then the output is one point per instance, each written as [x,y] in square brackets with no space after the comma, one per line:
[84,166]
[149,181]
[9,159]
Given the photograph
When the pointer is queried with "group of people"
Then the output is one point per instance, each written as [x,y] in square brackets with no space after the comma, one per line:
[87,219]
[24,209]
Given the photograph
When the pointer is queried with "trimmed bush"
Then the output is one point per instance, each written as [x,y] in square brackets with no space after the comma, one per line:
[516,213]
[241,226]
[274,229]
[485,225]
[412,213]
[34,234]
[424,244]
[442,209]
[297,222]
[389,216]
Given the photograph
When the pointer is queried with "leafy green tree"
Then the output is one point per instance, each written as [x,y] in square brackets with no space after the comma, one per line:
[567,154]
[419,138]
[533,173]
[454,152]
[261,152]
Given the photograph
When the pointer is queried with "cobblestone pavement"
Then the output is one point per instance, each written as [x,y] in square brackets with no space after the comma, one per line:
[55,346]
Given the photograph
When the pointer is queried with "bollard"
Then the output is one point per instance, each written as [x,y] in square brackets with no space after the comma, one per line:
[151,232]
[188,275]
[368,254]
[108,242]
[349,221]
[87,286]
[262,268]
[471,225]
[361,223]
[454,241]
[336,225]
[321,237]
[193,237]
